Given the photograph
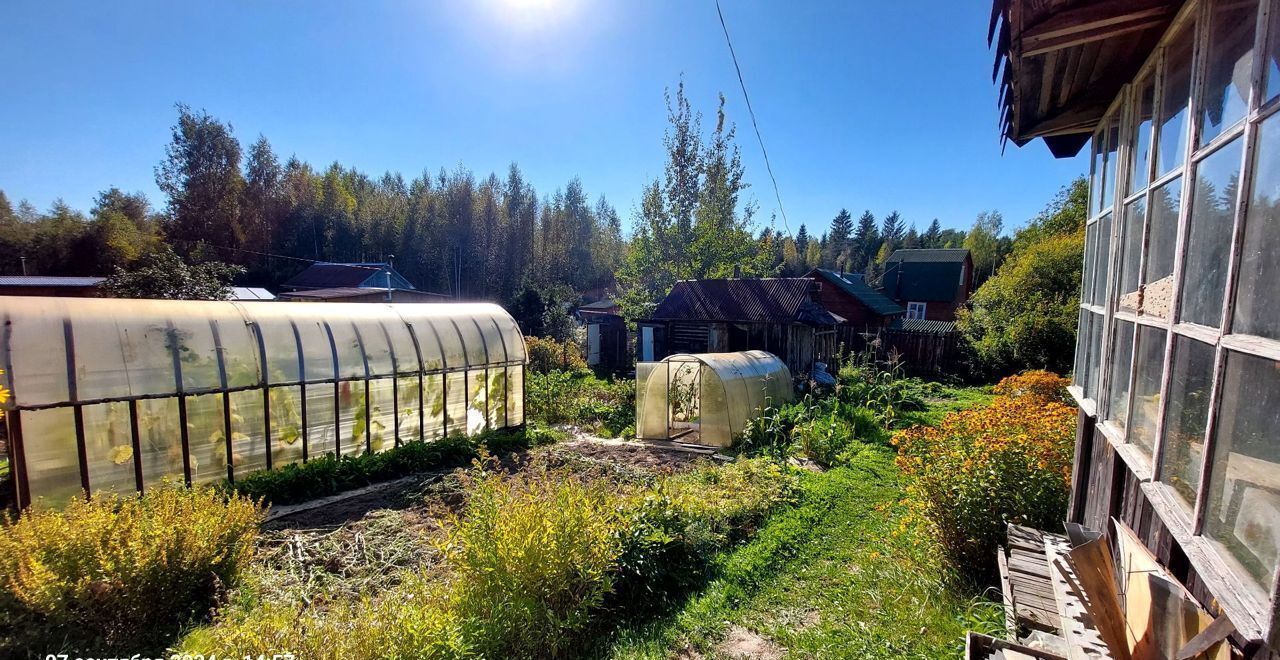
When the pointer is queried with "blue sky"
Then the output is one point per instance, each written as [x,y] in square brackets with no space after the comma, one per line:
[864,105]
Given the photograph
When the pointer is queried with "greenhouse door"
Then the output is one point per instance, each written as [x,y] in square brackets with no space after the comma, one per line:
[684,400]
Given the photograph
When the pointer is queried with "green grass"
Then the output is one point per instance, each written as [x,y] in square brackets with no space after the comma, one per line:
[950,399]
[835,576]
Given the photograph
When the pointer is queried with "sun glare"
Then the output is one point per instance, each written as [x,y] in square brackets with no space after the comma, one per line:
[533,15]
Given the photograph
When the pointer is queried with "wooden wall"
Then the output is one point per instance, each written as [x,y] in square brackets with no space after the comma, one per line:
[922,353]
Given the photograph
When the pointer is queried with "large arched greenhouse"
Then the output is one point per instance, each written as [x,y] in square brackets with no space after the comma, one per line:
[117,395]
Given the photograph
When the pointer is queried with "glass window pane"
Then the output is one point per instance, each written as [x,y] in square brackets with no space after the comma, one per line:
[1190,382]
[206,440]
[1121,357]
[1243,514]
[1171,149]
[1131,252]
[1208,249]
[108,445]
[382,412]
[1148,367]
[1256,311]
[1273,56]
[1095,355]
[248,440]
[1162,235]
[1229,70]
[1102,261]
[286,425]
[1096,146]
[53,461]
[1090,253]
[1144,108]
[320,422]
[1082,350]
[1109,162]
[160,437]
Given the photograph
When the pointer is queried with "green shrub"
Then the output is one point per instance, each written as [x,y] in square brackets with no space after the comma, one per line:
[603,406]
[547,355]
[327,475]
[120,572]
[827,439]
[883,388]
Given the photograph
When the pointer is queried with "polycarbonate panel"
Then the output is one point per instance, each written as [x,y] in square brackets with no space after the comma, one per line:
[248,429]
[281,349]
[493,340]
[321,431]
[456,401]
[715,410]
[477,353]
[53,464]
[160,437]
[382,414]
[206,439]
[108,445]
[286,425]
[497,398]
[407,408]
[346,341]
[377,348]
[402,348]
[453,354]
[35,351]
[123,352]
[351,418]
[192,337]
[515,396]
[433,406]
[317,351]
[513,338]
[477,401]
[651,400]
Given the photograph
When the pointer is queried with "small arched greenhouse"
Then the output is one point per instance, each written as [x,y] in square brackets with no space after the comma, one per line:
[707,398]
[114,395]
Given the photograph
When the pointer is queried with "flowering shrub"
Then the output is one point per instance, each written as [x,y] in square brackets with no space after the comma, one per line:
[981,469]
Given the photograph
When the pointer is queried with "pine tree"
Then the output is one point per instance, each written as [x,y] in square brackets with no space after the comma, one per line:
[891,230]
[866,242]
[932,237]
[837,253]
[911,240]
[802,239]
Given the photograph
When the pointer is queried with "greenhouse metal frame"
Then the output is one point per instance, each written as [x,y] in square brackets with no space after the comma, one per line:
[712,395]
[206,390]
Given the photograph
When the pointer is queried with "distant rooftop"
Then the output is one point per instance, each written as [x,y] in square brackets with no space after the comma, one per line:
[855,285]
[935,255]
[324,275]
[766,300]
[250,293]
[49,280]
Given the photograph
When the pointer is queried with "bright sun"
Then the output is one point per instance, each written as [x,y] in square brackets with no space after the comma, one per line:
[533,15]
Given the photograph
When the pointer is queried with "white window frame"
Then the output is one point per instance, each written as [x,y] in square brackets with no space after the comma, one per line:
[917,310]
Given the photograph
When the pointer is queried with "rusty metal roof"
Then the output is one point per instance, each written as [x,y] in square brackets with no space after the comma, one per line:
[769,300]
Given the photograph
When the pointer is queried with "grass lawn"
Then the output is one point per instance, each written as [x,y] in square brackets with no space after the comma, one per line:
[835,576]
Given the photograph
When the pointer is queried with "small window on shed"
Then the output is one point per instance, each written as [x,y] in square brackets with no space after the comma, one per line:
[916,310]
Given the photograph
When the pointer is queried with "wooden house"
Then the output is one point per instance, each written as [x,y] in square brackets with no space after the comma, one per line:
[930,284]
[864,312]
[783,316]
[1177,372]
[608,343]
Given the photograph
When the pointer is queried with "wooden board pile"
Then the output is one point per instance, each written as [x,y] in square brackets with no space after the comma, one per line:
[1085,596]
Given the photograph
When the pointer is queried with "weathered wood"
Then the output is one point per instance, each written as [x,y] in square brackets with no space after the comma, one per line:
[1078,627]
[1006,591]
[1095,582]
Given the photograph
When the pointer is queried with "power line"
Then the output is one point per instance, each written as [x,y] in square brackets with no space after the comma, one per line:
[777,195]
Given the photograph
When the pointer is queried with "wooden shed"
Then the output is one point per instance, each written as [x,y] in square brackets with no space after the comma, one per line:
[1177,372]
[780,315]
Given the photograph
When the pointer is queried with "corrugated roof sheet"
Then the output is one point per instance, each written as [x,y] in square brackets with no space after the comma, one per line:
[352,291]
[770,300]
[250,293]
[854,285]
[923,326]
[48,280]
[598,305]
[331,275]
[936,255]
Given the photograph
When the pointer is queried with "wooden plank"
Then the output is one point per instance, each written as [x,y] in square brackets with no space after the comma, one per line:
[1077,625]
[1095,575]
[1006,590]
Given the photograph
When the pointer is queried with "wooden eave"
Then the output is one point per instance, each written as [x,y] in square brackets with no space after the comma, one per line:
[1060,63]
